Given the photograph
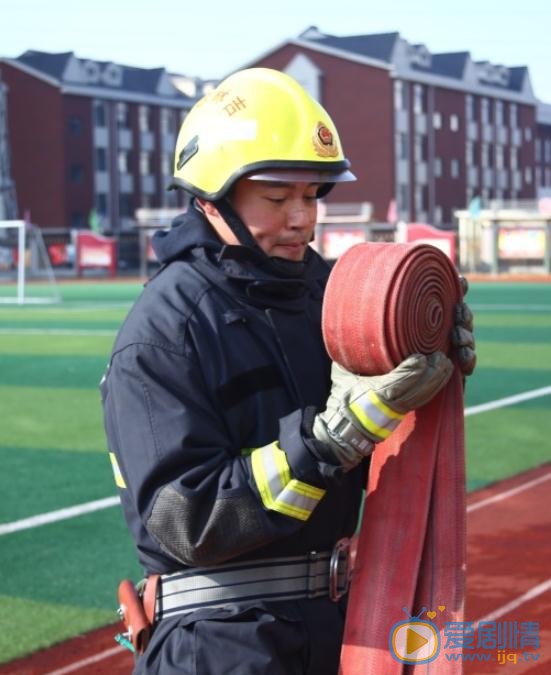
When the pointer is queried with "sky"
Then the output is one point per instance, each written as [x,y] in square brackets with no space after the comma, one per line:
[211,38]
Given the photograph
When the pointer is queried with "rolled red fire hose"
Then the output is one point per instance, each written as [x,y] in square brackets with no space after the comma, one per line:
[382,303]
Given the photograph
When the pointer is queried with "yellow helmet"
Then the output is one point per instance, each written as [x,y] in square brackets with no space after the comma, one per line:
[255,121]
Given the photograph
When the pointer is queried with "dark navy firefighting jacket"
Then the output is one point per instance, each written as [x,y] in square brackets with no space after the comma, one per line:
[208,402]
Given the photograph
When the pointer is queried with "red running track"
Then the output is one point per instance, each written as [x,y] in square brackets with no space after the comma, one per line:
[509,580]
[509,567]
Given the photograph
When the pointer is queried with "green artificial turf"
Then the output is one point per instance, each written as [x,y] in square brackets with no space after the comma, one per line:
[59,580]
[28,625]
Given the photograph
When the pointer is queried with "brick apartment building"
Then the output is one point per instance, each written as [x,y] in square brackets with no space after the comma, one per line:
[8,207]
[543,150]
[88,136]
[425,132]
[430,131]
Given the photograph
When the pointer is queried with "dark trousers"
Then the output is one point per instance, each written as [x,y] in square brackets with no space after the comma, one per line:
[301,637]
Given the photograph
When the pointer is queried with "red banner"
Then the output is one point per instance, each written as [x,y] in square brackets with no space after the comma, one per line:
[94,251]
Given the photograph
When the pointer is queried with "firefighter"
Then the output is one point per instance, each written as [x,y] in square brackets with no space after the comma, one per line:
[236,452]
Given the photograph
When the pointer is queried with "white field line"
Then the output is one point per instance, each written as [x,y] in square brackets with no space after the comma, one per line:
[500,496]
[111,501]
[508,400]
[77,665]
[492,616]
[107,502]
[55,516]
[57,331]
[85,306]
[89,507]
[517,602]
[511,308]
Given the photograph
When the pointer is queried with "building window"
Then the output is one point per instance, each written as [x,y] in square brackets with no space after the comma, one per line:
[469,153]
[420,197]
[101,204]
[400,95]
[484,155]
[167,121]
[76,173]
[437,120]
[527,134]
[75,125]
[528,175]
[165,163]
[470,112]
[77,220]
[513,158]
[125,206]
[419,148]
[123,116]
[454,122]
[100,115]
[144,118]
[485,111]
[454,168]
[101,159]
[499,157]
[145,163]
[123,161]
[403,197]
[437,215]
[499,113]
[513,116]
[547,149]
[402,145]
[437,167]
[418,95]
[538,150]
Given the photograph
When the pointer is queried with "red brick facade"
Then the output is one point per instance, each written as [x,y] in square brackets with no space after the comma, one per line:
[37,143]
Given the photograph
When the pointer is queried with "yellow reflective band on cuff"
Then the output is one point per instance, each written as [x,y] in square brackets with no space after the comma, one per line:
[375,416]
[278,491]
[119,480]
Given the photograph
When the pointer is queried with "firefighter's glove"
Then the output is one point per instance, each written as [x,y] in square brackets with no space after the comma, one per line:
[363,410]
[462,334]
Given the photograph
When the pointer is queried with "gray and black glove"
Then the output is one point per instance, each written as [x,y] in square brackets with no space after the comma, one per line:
[363,410]
[462,334]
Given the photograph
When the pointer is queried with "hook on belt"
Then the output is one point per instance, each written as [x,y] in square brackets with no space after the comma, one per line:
[340,569]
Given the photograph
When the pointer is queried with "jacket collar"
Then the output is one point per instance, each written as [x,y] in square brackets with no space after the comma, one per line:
[241,270]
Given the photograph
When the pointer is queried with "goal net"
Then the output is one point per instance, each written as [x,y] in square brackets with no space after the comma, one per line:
[26,273]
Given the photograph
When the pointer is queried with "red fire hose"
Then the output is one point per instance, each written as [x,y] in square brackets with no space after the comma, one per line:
[384,302]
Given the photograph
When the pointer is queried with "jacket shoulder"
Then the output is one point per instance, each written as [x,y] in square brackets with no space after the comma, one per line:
[160,315]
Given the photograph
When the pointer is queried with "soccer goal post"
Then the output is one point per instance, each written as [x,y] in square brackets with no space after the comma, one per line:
[26,273]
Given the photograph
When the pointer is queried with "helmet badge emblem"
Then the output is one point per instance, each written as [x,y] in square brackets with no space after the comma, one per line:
[324,141]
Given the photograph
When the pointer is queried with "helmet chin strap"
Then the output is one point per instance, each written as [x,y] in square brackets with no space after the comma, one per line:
[279,266]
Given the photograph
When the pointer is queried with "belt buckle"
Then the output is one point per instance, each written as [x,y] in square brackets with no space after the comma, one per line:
[339,556]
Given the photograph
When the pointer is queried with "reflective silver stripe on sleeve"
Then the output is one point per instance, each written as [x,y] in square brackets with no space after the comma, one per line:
[278,490]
